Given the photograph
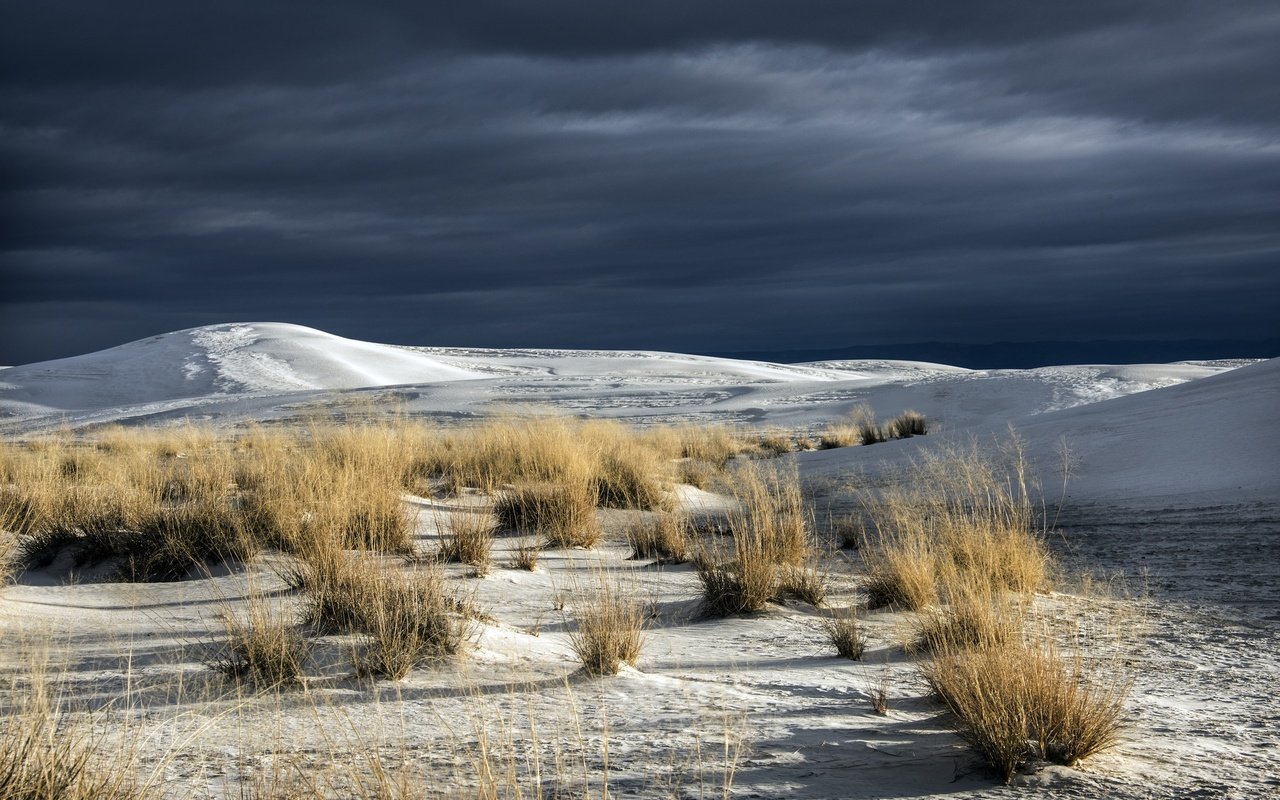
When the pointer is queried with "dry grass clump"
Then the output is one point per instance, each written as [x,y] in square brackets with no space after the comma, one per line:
[610,628]
[845,634]
[160,504]
[470,539]
[770,534]
[972,618]
[564,514]
[774,443]
[959,520]
[805,582]
[623,468]
[46,755]
[698,474]
[712,444]
[860,427]
[907,424]
[262,648]
[850,430]
[525,555]
[1026,701]
[664,536]
[410,619]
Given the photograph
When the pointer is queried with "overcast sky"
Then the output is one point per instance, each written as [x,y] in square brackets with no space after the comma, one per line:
[696,176]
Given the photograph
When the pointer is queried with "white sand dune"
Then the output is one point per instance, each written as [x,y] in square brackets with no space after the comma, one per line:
[1214,437]
[1175,482]
[232,359]
[269,370]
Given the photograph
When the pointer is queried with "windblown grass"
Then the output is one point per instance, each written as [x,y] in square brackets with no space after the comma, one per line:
[262,648]
[771,536]
[610,628]
[958,520]
[470,539]
[1025,701]
[564,514]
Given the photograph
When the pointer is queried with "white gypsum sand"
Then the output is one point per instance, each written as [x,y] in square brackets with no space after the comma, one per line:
[1174,486]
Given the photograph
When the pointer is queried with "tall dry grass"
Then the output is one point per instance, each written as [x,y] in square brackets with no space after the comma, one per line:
[771,542]
[959,521]
[470,539]
[665,536]
[261,647]
[609,630]
[49,752]
[1028,700]
[563,514]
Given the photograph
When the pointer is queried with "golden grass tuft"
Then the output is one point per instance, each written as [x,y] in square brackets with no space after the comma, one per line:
[664,536]
[563,514]
[845,634]
[470,539]
[410,619]
[960,520]
[525,555]
[807,582]
[261,648]
[1024,701]
[907,424]
[609,630]
[770,532]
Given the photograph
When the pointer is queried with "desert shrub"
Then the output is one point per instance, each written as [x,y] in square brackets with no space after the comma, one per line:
[470,539]
[845,634]
[564,514]
[665,536]
[908,424]
[609,630]
[1018,702]
[261,648]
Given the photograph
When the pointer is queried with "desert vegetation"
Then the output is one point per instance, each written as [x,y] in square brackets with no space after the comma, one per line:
[859,427]
[372,530]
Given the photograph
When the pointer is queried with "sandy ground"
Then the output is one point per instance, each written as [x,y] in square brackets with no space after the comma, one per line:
[1172,511]
[1201,648]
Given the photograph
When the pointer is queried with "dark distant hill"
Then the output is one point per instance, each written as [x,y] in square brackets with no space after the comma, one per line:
[1022,355]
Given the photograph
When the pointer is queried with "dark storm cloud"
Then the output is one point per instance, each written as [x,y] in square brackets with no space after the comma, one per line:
[696,176]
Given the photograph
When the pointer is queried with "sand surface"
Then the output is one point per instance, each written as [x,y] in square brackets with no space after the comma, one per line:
[1172,505]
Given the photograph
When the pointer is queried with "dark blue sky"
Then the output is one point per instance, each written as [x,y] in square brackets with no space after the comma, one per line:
[715,176]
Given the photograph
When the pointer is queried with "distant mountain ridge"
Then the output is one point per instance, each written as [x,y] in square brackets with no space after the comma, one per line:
[1026,355]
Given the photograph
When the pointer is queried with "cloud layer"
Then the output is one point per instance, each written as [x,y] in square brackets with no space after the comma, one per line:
[709,176]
